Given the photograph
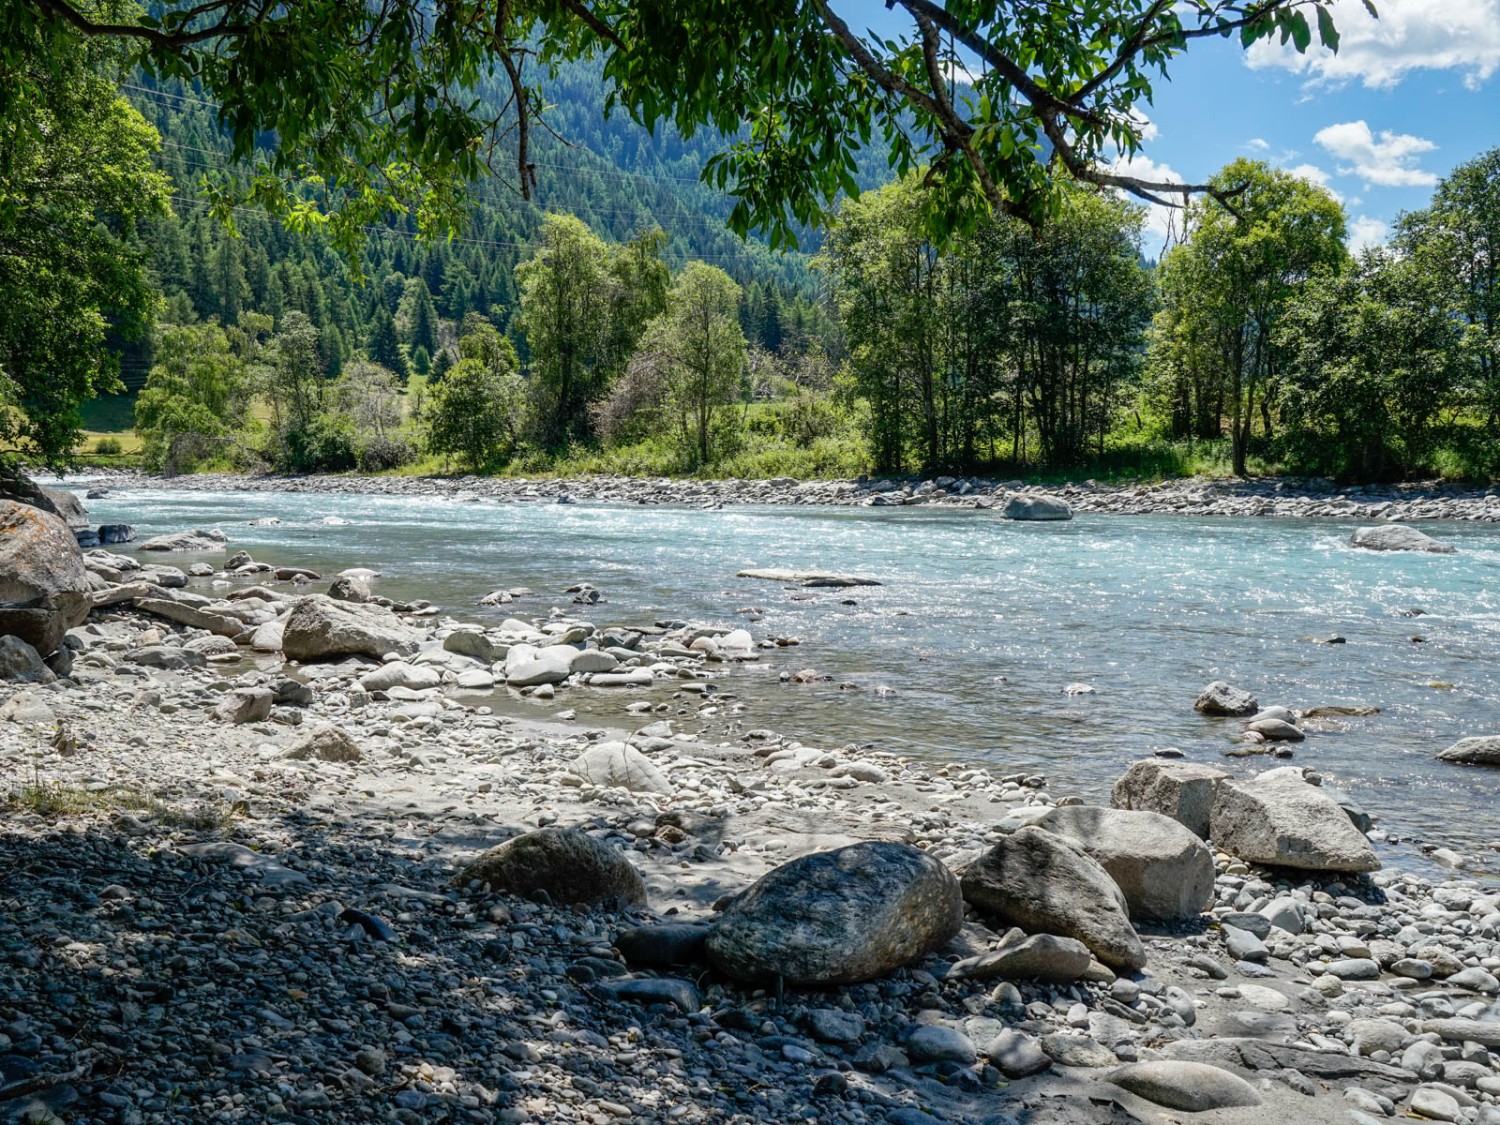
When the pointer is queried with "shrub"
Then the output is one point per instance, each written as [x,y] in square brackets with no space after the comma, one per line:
[108,446]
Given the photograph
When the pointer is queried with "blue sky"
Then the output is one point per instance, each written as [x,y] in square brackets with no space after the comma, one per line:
[1406,98]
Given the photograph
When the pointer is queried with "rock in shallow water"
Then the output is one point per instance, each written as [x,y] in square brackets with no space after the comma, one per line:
[1045,884]
[1220,698]
[838,917]
[1281,820]
[573,868]
[1036,508]
[1398,537]
[1481,751]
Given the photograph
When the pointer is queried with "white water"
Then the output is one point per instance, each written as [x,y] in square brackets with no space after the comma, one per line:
[980,624]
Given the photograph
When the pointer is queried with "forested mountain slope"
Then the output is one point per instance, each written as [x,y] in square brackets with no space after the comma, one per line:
[609,172]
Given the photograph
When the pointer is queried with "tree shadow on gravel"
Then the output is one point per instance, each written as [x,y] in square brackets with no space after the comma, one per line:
[144,978]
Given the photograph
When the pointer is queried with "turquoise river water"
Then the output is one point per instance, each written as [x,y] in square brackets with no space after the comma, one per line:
[980,625]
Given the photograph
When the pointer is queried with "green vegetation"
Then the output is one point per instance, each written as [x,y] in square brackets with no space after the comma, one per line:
[75,180]
[382,108]
[987,311]
[1215,348]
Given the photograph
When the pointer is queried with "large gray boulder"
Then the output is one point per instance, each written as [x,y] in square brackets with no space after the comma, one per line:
[572,867]
[68,508]
[1036,508]
[1046,884]
[1164,870]
[319,628]
[1281,820]
[20,664]
[44,586]
[616,764]
[200,540]
[1398,537]
[837,917]
[1183,791]
[1481,751]
[1220,698]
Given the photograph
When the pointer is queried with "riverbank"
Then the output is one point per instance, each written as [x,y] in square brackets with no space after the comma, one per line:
[1281,497]
[218,910]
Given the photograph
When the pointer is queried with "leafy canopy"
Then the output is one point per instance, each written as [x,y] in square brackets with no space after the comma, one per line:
[75,178]
[375,107]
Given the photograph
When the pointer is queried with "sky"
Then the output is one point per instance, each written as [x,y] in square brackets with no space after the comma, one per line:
[1407,97]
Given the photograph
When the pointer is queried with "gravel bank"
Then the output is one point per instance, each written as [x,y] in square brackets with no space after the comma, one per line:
[205,916]
[1196,497]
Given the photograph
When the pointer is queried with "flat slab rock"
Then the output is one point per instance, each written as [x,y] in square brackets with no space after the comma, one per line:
[807,577]
[1399,537]
[1189,1086]
[1258,1054]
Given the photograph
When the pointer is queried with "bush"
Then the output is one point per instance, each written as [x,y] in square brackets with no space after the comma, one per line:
[108,446]
[383,453]
[325,444]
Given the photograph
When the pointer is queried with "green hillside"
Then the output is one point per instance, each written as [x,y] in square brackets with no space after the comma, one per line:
[609,172]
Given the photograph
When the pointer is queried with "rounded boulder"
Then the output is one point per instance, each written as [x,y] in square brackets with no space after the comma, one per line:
[572,867]
[838,917]
[1046,884]
[1165,872]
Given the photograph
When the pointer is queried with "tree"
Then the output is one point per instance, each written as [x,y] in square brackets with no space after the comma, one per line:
[1375,355]
[1006,328]
[369,396]
[381,343]
[197,395]
[1082,302]
[377,99]
[476,411]
[698,351]
[416,318]
[1227,287]
[1461,228]
[565,310]
[884,273]
[75,179]
[305,435]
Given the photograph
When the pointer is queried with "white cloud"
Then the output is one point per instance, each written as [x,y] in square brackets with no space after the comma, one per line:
[1148,129]
[1365,232]
[1258,144]
[1315,175]
[1460,35]
[1386,158]
[1162,223]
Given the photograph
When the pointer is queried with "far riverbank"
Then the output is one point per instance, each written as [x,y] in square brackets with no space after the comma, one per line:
[1197,496]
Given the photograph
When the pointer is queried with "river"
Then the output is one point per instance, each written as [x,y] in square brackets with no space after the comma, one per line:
[980,625]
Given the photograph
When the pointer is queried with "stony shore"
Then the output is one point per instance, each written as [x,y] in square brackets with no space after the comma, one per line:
[1282,497]
[227,893]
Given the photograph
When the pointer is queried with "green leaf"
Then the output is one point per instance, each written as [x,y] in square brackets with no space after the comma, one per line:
[1326,30]
[1301,32]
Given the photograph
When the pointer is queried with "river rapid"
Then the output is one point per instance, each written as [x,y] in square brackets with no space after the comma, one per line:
[986,631]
